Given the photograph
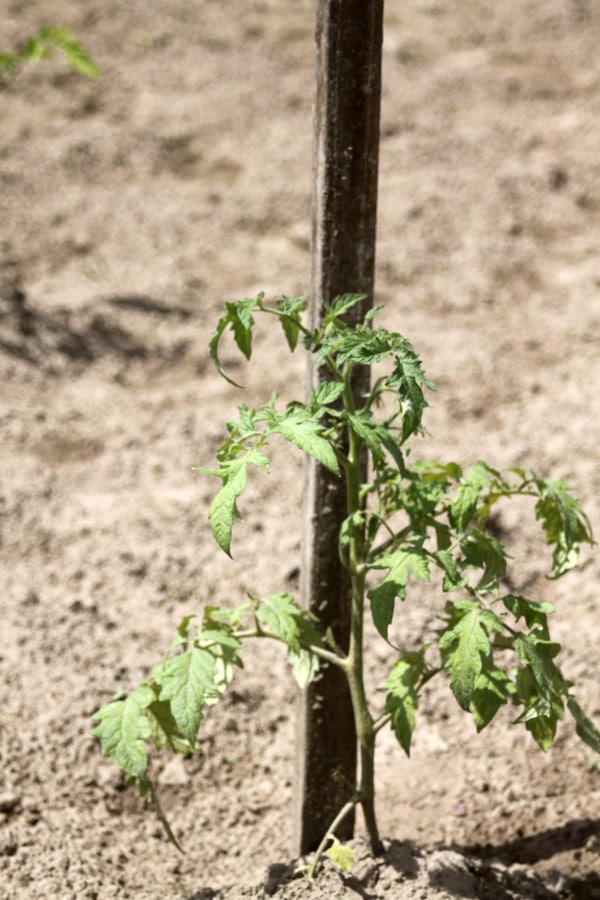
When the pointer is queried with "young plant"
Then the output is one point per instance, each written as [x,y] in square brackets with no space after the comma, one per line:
[420,520]
[40,46]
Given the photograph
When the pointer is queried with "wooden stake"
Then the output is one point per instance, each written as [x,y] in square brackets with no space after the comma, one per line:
[346,149]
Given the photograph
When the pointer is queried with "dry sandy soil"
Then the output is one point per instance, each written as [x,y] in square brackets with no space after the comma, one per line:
[130,210]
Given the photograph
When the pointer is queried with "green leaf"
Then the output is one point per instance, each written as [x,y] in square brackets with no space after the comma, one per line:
[371,313]
[408,378]
[401,563]
[224,647]
[491,689]
[238,317]
[341,305]
[543,730]
[165,731]
[123,729]
[363,346]
[341,855]
[290,309]
[217,617]
[482,551]
[465,646]
[463,509]
[538,655]
[535,614]
[402,699]
[326,393]
[39,46]
[279,614]
[564,522]
[453,579]
[392,447]
[584,727]
[187,681]
[369,432]
[224,508]
[305,666]
[297,427]
[383,601]
[75,54]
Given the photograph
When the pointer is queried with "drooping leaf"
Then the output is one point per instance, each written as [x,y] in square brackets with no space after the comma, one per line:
[187,681]
[534,613]
[224,508]
[402,699]
[123,727]
[485,552]
[542,729]
[453,579]
[291,309]
[165,731]
[408,379]
[401,563]
[224,648]
[393,448]
[564,522]
[465,645]
[491,690]
[352,527]
[305,666]
[383,601]
[370,432]
[538,653]
[238,316]
[585,728]
[540,687]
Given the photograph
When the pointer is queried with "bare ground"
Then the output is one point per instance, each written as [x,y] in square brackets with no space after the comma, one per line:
[130,209]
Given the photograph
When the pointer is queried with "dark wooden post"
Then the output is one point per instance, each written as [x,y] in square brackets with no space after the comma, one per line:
[346,151]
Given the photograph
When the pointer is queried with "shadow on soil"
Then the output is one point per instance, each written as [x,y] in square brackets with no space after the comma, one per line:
[572,836]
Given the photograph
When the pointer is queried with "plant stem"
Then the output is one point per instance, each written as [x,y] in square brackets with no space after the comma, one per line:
[330,656]
[345,810]
[365,730]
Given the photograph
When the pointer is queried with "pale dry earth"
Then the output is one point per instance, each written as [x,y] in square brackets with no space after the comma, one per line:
[130,209]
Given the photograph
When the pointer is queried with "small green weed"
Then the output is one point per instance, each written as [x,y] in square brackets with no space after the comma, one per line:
[41,46]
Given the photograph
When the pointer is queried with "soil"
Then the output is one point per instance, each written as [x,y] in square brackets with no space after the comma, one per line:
[131,208]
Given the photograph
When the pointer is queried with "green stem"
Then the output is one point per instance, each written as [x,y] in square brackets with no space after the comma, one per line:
[329,656]
[344,811]
[365,730]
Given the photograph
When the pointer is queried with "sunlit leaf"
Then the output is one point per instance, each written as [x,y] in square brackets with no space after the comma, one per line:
[123,727]
[299,429]
[187,681]
[341,855]
[465,646]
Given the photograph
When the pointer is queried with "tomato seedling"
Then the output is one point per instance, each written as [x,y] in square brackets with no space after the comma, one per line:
[409,520]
